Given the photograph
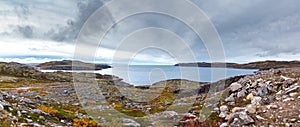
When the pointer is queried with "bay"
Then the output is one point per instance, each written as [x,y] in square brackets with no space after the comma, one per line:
[139,75]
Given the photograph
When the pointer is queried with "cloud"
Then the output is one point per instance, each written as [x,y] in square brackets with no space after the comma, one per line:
[250,29]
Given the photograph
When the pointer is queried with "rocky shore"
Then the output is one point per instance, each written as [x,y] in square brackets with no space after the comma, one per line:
[271,97]
[266,98]
[261,65]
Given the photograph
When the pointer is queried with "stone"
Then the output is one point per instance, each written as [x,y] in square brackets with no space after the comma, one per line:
[29,121]
[1,107]
[262,91]
[294,89]
[241,93]
[256,100]
[245,119]
[293,94]
[222,114]
[272,107]
[129,123]
[288,99]
[41,117]
[24,112]
[285,78]
[251,109]
[223,108]
[235,123]
[224,125]
[249,96]
[237,109]
[235,86]
[230,98]
[260,118]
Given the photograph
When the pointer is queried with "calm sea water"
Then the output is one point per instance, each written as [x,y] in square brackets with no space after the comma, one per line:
[149,74]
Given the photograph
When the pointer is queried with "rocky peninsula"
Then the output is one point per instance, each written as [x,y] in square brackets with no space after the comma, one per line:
[68,65]
[262,65]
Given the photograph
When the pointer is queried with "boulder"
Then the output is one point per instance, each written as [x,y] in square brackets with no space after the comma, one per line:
[235,86]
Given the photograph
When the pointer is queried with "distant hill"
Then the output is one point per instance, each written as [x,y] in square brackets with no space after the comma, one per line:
[262,65]
[67,65]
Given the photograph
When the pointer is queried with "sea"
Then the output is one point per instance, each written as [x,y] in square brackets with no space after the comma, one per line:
[140,75]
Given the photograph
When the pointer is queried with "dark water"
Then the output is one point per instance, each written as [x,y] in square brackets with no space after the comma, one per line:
[149,74]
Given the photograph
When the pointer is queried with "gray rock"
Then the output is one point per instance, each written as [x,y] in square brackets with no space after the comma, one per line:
[230,98]
[36,111]
[222,114]
[237,109]
[24,112]
[235,86]
[256,100]
[129,123]
[243,118]
[241,93]
[294,89]
[223,108]
[263,91]
[41,117]
[251,109]
[1,107]
[224,125]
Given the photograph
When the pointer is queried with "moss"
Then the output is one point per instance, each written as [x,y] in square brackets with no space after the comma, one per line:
[84,123]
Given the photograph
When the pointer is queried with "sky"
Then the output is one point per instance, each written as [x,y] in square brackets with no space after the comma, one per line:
[35,31]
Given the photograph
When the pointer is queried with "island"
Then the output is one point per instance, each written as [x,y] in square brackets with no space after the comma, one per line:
[69,65]
[261,65]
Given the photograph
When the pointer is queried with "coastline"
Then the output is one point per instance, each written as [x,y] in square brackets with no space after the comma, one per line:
[53,93]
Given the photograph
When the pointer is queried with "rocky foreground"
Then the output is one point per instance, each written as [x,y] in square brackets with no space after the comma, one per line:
[267,98]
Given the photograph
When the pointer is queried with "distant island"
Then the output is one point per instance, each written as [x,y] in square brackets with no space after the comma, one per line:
[261,65]
[68,65]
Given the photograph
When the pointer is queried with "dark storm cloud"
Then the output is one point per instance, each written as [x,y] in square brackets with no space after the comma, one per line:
[70,32]
[25,31]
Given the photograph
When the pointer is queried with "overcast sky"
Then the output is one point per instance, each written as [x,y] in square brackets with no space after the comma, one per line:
[251,30]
